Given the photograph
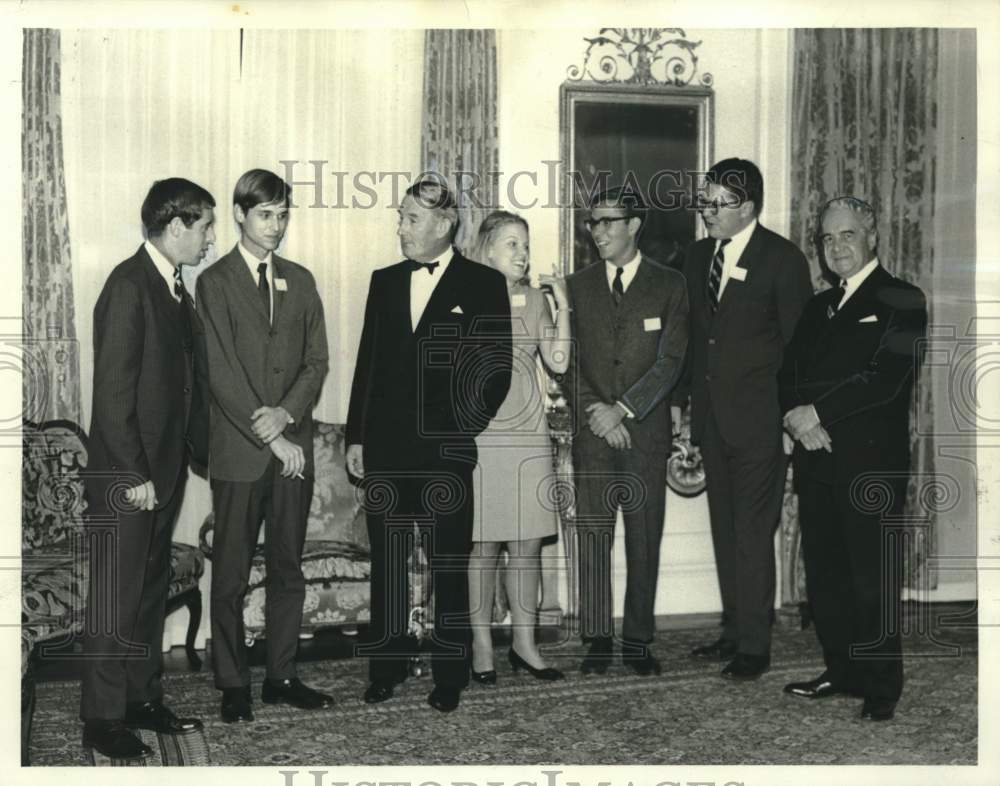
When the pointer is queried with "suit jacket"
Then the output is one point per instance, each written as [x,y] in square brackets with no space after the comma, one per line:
[857,367]
[736,353]
[254,363]
[143,383]
[633,353]
[419,393]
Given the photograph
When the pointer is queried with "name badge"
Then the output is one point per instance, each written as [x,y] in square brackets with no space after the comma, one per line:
[518,300]
[281,285]
[739,273]
[653,323]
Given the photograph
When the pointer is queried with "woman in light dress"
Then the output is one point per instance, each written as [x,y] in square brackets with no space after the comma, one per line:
[515,500]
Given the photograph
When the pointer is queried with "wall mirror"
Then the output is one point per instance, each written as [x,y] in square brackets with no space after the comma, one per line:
[631,116]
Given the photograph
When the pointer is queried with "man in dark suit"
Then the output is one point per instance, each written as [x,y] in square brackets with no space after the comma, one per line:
[265,340]
[138,453]
[629,319]
[747,287]
[845,389]
[433,367]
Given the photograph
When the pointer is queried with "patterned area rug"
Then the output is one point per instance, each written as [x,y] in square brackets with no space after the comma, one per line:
[688,715]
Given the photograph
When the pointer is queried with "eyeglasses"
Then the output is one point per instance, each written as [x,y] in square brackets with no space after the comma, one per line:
[603,223]
[715,205]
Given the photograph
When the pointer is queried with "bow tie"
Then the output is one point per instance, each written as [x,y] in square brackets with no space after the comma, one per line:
[428,266]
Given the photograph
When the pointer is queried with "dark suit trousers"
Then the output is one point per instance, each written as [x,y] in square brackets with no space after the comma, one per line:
[394,501]
[745,487]
[283,505]
[853,567]
[636,481]
[129,563]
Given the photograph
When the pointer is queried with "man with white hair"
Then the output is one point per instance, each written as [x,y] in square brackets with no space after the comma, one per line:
[845,390]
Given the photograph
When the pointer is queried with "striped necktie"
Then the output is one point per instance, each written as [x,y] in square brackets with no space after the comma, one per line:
[715,275]
[617,290]
[178,284]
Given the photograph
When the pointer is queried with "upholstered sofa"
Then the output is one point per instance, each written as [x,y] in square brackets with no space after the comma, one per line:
[335,560]
[54,570]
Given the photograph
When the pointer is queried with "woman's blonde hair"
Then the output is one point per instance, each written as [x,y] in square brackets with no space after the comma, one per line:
[488,230]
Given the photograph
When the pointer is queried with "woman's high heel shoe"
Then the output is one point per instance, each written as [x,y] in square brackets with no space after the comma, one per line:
[517,662]
[484,677]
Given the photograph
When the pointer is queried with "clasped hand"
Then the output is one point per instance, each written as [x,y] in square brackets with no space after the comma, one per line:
[802,423]
[269,422]
[606,423]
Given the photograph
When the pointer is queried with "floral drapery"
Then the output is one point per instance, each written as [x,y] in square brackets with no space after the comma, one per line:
[51,365]
[459,129]
[864,122]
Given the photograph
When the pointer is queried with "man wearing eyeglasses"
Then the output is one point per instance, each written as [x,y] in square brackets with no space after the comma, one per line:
[629,320]
[747,287]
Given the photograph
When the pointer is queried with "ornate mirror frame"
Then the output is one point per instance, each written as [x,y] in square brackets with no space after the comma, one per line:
[632,83]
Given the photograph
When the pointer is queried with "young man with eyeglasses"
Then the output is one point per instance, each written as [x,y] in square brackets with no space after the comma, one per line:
[629,321]
[747,287]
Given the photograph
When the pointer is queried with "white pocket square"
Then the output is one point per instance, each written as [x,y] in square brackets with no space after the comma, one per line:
[457,310]
[739,273]
[869,318]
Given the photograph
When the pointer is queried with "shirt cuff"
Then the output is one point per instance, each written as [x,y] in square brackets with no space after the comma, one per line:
[628,412]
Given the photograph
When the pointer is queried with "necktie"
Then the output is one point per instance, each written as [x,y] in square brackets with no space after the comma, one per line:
[428,266]
[617,290]
[262,287]
[715,276]
[178,284]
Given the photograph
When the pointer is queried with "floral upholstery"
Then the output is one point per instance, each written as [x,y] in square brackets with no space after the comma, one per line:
[335,559]
[54,571]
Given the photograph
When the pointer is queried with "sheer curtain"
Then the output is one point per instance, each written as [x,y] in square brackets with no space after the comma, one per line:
[208,105]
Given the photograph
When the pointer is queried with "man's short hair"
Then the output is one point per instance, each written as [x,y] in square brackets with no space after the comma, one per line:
[742,178]
[173,198]
[260,187]
[865,211]
[624,198]
[433,194]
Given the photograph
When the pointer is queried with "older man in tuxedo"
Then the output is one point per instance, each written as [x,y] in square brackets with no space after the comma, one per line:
[630,329]
[846,385]
[747,287]
[141,438]
[433,367]
[265,340]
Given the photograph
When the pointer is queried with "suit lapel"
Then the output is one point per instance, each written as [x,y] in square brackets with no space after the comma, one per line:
[244,283]
[751,253]
[860,304]
[443,294]
[600,294]
[278,295]
[162,298]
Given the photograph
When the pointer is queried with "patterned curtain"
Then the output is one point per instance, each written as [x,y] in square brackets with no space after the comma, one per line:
[865,123]
[459,130]
[51,373]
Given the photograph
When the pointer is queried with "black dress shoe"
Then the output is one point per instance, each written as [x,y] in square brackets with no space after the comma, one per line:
[819,688]
[598,657]
[721,649]
[444,698]
[381,690]
[295,693]
[153,715]
[236,705]
[746,667]
[113,739]
[517,663]
[484,677]
[878,710]
[638,658]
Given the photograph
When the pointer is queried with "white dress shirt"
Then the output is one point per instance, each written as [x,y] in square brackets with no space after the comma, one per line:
[851,284]
[163,267]
[732,252]
[422,283]
[628,271]
[253,263]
